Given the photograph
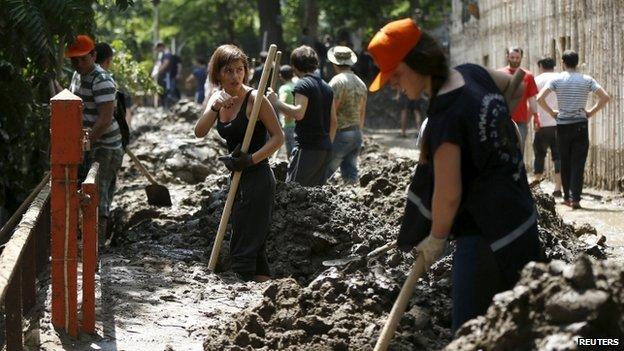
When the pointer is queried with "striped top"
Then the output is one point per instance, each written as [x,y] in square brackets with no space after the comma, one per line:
[572,91]
[95,88]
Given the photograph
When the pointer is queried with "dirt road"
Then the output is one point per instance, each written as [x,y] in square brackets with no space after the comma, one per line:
[155,292]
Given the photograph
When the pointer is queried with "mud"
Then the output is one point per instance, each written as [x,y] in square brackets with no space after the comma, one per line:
[551,306]
[307,306]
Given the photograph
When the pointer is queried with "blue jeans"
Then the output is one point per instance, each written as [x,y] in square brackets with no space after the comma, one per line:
[345,151]
[523,128]
[289,134]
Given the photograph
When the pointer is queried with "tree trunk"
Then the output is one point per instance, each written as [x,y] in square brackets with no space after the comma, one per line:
[271,23]
[310,19]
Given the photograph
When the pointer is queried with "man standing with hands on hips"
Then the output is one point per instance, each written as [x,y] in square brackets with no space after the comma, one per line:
[572,89]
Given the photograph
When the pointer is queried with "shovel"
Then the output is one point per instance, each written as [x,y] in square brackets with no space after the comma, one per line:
[343,261]
[229,202]
[417,271]
[157,195]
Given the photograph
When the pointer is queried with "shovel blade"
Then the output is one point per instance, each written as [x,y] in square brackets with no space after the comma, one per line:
[341,261]
[158,195]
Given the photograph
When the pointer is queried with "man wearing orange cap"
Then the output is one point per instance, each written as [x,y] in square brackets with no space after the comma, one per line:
[97,90]
[470,183]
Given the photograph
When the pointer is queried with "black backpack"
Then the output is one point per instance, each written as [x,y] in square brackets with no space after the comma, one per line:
[120,117]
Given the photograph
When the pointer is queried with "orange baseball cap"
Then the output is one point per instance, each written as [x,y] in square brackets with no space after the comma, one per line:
[390,46]
[80,47]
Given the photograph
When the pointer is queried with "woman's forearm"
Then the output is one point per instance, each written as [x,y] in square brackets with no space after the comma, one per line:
[205,122]
[269,148]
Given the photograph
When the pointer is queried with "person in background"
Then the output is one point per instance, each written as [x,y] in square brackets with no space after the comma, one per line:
[572,89]
[527,107]
[257,70]
[286,95]
[546,127]
[198,78]
[97,90]
[350,95]
[169,70]
[230,108]
[476,187]
[315,115]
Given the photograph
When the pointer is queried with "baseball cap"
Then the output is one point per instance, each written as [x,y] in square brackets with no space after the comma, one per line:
[80,47]
[390,46]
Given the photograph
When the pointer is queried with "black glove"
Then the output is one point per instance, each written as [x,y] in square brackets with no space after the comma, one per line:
[237,160]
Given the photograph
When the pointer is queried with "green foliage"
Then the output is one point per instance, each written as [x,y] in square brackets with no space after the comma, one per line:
[131,77]
[33,36]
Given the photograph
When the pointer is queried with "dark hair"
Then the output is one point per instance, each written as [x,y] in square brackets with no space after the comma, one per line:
[160,44]
[427,58]
[223,56]
[202,61]
[570,58]
[514,49]
[103,52]
[286,72]
[546,62]
[304,59]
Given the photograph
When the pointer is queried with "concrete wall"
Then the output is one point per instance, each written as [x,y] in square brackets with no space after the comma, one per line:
[593,28]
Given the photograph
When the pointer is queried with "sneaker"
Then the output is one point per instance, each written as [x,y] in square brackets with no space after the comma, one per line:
[575,205]
[557,193]
[566,202]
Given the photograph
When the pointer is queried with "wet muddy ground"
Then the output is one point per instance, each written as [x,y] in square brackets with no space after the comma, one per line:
[155,292]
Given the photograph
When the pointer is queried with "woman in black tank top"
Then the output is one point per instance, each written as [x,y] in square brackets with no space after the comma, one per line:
[470,183]
[230,108]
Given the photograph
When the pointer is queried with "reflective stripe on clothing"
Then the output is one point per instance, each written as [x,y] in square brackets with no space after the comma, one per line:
[514,234]
[419,204]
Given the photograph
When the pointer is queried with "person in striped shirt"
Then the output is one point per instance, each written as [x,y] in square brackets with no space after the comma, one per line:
[572,89]
[97,90]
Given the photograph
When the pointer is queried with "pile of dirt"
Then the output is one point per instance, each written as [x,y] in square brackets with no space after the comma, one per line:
[551,306]
[312,307]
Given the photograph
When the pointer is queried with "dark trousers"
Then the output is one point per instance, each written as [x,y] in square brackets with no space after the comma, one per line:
[546,138]
[573,146]
[479,273]
[251,220]
[308,167]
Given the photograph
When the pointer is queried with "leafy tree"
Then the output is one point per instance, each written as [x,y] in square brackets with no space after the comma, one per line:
[33,35]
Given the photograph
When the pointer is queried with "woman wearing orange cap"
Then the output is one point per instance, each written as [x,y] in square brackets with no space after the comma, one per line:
[470,184]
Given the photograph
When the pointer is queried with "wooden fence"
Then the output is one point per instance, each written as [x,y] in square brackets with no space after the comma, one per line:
[24,256]
[482,29]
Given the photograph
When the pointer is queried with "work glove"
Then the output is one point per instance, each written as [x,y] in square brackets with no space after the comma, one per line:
[431,248]
[237,160]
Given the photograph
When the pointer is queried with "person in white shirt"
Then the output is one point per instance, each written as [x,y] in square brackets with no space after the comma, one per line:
[572,89]
[546,127]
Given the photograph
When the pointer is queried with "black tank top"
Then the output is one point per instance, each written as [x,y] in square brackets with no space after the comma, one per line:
[234,131]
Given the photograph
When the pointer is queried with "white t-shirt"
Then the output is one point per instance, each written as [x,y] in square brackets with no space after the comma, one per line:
[541,81]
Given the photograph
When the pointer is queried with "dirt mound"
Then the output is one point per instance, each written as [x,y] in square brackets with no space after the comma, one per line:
[551,306]
[312,307]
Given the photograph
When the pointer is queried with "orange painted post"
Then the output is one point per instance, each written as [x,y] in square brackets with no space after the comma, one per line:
[66,147]
[89,248]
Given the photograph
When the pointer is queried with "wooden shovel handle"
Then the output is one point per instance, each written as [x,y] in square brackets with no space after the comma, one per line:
[417,270]
[138,163]
[389,246]
[276,68]
[225,216]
